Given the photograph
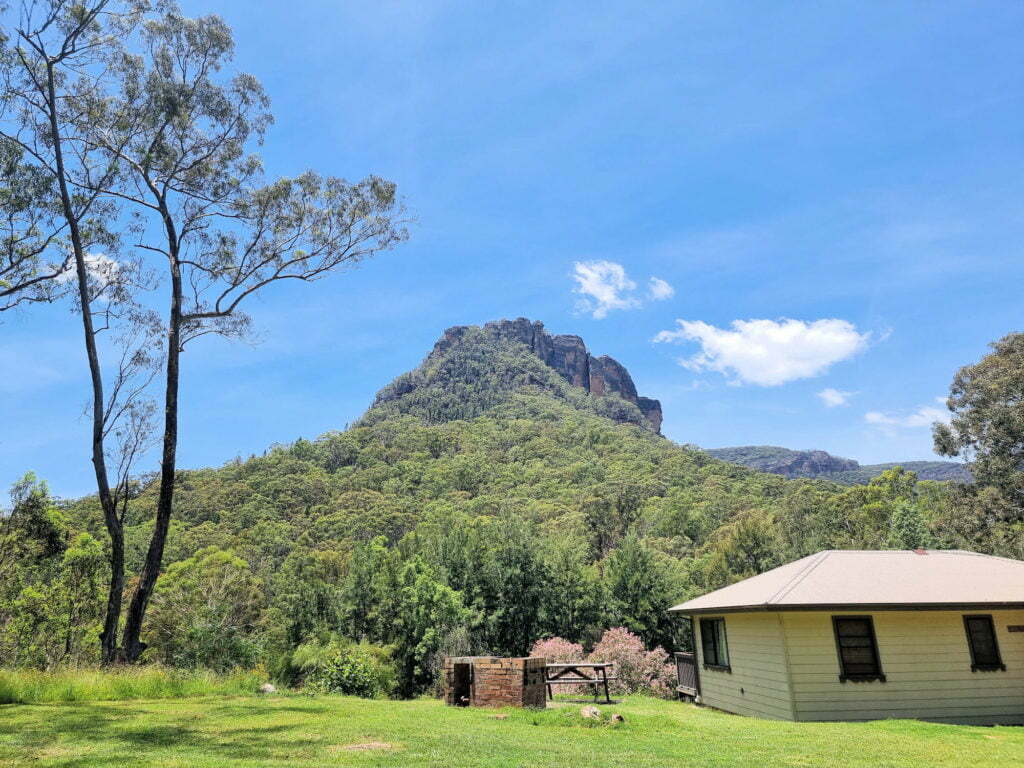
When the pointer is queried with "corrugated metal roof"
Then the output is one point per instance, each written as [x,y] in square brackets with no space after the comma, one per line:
[874,578]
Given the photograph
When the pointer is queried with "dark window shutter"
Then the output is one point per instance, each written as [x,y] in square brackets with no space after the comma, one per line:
[981,638]
[858,650]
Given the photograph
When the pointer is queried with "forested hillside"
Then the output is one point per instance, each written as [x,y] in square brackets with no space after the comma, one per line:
[789,463]
[482,503]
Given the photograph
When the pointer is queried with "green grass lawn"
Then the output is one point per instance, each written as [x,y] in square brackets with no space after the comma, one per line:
[301,732]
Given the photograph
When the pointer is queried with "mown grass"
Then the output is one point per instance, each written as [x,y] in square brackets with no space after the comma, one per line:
[150,682]
[307,732]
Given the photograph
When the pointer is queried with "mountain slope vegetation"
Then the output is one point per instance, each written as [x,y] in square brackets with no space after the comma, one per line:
[482,502]
[790,463]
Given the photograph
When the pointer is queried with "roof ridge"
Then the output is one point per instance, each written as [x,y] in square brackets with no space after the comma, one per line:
[816,560]
[976,554]
[929,550]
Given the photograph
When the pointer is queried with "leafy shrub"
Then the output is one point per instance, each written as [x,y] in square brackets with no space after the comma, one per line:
[205,612]
[353,669]
[637,669]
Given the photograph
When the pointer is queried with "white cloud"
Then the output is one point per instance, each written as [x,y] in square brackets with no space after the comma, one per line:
[768,352]
[833,398]
[922,416]
[98,265]
[606,286]
[659,290]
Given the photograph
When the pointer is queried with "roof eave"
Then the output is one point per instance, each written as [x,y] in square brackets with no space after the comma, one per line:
[847,607]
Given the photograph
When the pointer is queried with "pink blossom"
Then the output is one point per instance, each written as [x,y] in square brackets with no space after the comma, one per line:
[637,669]
[557,649]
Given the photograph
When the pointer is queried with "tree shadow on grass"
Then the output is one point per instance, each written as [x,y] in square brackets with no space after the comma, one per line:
[133,728]
[235,708]
[53,723]
[159,736]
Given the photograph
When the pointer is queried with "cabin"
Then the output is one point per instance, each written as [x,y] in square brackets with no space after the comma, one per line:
[864,635]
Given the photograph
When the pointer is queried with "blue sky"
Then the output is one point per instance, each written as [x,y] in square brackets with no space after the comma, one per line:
[855,168]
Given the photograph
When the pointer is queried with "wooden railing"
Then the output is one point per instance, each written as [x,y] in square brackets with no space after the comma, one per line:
[686,671]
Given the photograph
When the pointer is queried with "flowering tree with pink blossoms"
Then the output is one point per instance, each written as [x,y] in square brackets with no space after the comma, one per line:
[557,649]
[637,669]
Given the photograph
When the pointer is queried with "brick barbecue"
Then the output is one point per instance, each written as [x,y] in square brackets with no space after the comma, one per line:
[491,681]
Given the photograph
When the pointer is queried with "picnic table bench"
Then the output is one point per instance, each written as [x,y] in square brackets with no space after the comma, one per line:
[593,674]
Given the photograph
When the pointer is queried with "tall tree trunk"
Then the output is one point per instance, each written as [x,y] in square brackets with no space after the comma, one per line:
[132,647]
[108,637]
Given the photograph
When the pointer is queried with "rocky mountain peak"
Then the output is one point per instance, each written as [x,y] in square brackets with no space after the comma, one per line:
[568,355]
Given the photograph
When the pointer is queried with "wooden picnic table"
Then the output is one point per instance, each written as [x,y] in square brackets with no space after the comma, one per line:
[576,673]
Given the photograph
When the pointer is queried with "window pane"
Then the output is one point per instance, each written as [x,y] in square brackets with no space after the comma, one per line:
[723,647]
[853,628]
[707,638]
[859,655]
[854,642]
[713,643]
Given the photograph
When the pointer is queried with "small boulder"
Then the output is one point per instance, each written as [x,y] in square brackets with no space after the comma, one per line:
[268,688]
[617,718]
[591,713]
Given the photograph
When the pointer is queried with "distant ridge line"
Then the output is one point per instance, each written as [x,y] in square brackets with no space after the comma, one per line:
[814,464]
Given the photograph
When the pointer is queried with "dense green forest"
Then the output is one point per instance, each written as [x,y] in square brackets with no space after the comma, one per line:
[480,509]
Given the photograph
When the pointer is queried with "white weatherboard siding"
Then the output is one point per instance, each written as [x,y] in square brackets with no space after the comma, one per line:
[758,683]
[925,659]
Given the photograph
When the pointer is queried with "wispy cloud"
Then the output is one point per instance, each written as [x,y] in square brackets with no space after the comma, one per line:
[768,352]
[922,416]
[833,398]
[604,286]
[659,290]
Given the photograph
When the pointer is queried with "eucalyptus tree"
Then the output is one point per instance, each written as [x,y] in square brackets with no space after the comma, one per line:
[55,62]
[182,131]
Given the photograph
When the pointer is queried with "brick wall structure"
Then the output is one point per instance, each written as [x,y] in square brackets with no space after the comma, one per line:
[491,681]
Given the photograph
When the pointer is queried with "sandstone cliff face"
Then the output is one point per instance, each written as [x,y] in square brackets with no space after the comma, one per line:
[651,408]
[568,355]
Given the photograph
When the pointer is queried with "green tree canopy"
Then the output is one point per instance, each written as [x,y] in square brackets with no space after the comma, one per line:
[987,428]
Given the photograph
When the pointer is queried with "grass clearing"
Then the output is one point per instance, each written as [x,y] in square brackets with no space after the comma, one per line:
[144,682]
[302,732]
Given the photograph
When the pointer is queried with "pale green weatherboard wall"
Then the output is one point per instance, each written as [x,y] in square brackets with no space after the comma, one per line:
[926,662]
[785,666]
[758,683]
